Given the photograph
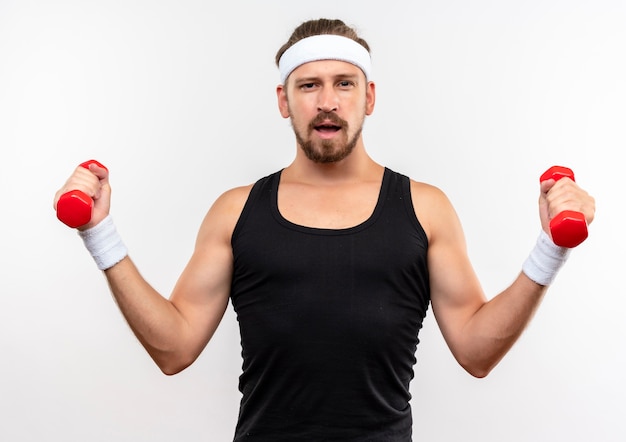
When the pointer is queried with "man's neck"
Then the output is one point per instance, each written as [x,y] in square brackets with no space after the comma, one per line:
[356,167]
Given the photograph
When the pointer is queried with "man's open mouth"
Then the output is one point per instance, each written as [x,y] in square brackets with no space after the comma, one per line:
[326,128]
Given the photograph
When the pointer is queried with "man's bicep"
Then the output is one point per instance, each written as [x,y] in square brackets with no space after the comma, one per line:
[202,291]
[201,294]
[456,294]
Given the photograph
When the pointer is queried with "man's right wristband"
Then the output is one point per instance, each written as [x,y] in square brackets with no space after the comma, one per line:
[545,260]
[104,243]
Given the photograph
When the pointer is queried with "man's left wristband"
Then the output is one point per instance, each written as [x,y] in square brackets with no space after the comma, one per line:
[104,243]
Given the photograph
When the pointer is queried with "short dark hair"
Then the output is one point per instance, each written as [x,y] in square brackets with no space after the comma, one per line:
[319,27]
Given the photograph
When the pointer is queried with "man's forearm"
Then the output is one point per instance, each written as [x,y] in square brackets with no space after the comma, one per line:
[498,324]
[155,321]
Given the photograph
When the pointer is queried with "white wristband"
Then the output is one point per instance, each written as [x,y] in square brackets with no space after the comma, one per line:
[545,260]
[104,243]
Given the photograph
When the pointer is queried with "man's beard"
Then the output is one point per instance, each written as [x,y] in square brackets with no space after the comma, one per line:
[327,151]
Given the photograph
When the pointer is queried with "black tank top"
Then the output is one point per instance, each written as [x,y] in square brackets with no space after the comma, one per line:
[329,320]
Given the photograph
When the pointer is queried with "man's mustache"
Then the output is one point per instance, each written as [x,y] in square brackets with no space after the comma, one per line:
[326,117]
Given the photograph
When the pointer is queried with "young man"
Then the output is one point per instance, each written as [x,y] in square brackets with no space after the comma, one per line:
[330,264]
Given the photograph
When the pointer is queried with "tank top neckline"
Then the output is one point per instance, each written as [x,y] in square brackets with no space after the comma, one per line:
[382,194]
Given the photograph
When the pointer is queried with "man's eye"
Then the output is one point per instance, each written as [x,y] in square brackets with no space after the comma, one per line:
[345,83]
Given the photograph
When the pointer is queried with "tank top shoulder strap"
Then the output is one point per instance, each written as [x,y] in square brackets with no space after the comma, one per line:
[399,192]
[261,191]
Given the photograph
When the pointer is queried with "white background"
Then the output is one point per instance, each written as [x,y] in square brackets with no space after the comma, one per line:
[177,99]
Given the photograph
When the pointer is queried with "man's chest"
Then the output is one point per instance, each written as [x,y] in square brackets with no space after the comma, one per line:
[328,208]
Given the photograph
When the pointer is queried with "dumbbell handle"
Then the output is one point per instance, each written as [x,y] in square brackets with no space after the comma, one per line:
[74,207]
[568,228]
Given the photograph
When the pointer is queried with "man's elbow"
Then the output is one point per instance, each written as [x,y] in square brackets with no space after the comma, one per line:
[171,364]
[479,373]
[478,368]
[171,370]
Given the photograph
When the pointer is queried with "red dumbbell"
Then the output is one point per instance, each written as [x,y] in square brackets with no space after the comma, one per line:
[74,207]
[568,228]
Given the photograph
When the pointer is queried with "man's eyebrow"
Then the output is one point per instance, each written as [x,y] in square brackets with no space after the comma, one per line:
[309,79]
[314,78]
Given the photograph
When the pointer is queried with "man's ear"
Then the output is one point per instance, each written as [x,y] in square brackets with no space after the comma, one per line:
[370,98]
[283,105]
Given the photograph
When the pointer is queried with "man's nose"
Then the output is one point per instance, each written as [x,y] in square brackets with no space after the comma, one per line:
[328,100]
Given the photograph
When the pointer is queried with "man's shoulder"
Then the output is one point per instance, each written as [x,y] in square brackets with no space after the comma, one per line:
[421,189]
[432,206]
[234,199]
[415,183]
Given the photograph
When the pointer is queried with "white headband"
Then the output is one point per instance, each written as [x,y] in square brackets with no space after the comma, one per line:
[324,47]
